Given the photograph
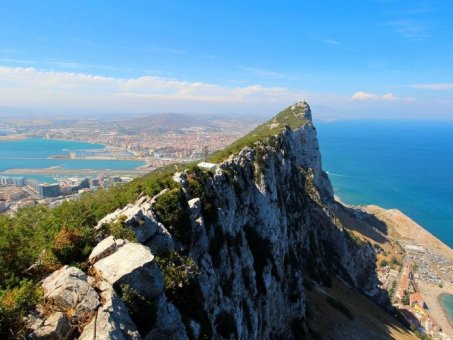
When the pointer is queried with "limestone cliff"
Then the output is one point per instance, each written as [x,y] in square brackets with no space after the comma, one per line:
[259,229]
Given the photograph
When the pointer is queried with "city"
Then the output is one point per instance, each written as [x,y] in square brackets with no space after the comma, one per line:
[156,140]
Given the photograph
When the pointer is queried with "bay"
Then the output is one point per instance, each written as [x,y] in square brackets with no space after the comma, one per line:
[33,153]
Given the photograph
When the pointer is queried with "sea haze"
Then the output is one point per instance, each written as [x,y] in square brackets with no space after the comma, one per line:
[403,165]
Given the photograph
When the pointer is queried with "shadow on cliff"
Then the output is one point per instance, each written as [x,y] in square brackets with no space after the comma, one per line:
[362,222]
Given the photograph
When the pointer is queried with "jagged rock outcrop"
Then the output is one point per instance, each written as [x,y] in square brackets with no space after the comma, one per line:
[69,287]
[112,320]
[257,227]
[132,264]
[138,217]
[105,248]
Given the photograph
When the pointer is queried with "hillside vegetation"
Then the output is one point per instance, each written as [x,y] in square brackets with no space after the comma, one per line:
[293,116]
[38,240]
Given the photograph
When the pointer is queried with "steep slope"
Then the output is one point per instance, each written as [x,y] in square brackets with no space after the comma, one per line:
[252,250]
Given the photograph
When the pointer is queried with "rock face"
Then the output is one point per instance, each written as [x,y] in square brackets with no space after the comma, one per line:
[272,224]
[67,288]
[112,320]
[138,217]
[132,264]
[56,327]
[104,248]
[264,222]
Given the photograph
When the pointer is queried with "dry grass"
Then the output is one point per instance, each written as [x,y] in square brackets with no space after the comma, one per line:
[369,320]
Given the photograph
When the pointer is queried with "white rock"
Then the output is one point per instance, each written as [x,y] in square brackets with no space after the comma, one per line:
[68,288]
[112,320]
[162,243]
[132,264]
[137,216]
[56,327]
[103,249]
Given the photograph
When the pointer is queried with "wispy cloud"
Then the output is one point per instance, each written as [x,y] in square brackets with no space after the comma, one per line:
[329,41]
[60,64]
[262,72]
[411,29]
[167,50]
[433,86]
[367,96]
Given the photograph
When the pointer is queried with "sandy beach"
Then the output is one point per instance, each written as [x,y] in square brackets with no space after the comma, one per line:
[402,228]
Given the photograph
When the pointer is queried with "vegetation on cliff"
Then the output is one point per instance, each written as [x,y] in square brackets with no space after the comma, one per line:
[293,117]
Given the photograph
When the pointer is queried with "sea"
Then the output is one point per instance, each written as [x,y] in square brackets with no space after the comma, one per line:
[34,153]
[395,164]
[447,302]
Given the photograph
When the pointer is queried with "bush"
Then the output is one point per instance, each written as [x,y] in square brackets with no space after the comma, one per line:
[171,209]
[72,246]
[177,270]
[142,311]
[15,303]
[119,230]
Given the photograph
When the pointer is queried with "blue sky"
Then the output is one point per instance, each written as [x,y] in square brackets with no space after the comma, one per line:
[355,59]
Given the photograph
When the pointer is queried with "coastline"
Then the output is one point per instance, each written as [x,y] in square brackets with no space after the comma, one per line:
[402,229]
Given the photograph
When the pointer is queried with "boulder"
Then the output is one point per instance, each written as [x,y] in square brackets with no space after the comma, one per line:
[112,320]
[104,248]
[55,327]
[138,217]
[67,288]
[132,264]
[162,243]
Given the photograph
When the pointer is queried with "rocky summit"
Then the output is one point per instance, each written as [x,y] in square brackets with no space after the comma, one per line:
[253,249]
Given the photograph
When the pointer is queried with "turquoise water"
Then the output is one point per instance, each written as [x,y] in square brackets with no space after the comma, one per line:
[447,303]
[32,154]
[403,165]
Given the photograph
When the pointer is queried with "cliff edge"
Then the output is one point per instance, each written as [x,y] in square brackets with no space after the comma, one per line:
[250,250]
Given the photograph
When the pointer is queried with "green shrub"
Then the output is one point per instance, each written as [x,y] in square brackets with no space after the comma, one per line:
[142,311]
[197,181]
[177,270]
[15,303]
[72,246]
[119,230]
[383,263]
[171,209]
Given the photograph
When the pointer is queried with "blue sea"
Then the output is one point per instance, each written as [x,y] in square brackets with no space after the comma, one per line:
[394,164]
[33,153]
[447,302]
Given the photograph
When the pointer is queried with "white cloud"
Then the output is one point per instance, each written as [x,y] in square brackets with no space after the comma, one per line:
[366,96]
[433,86]
[30,87]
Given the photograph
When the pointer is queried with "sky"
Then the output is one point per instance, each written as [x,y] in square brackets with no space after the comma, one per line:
[355,59]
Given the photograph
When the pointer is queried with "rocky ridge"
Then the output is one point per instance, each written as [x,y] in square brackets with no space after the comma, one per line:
[258,228]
